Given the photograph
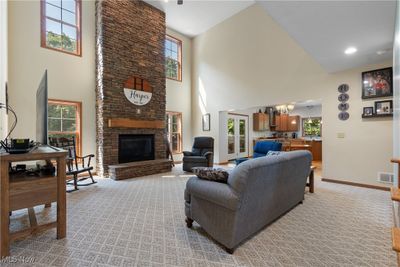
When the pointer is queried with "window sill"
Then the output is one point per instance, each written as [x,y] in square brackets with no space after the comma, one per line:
[172,79]
[63,51]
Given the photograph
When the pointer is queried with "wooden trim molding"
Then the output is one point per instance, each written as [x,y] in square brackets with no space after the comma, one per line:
[78,27]
[378,187]
[129,123]
[79,121]
[180,67]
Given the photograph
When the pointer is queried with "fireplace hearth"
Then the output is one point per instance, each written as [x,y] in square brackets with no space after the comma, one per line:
[135,147]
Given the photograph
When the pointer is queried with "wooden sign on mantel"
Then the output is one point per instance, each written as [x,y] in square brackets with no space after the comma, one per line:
[130,123]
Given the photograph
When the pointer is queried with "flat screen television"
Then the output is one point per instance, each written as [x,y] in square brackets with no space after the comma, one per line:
[41,111]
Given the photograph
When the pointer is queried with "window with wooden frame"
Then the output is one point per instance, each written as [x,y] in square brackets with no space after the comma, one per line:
[173,58]
[312,126]
[61,26]
[65,120]
[174,131]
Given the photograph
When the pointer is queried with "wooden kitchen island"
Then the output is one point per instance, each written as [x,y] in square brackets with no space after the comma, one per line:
[22,191]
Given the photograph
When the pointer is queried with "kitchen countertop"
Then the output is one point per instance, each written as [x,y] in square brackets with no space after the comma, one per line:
[288,139]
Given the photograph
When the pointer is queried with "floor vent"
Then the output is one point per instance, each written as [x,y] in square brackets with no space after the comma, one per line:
[385,177]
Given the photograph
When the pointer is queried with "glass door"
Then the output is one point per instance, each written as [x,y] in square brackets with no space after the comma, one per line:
[231,138]
[238,136]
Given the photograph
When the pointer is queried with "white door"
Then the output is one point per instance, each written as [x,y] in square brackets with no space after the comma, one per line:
[238,136]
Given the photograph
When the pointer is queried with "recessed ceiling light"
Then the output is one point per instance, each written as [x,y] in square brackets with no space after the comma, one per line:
[381,52]
[350,50]
[166,1]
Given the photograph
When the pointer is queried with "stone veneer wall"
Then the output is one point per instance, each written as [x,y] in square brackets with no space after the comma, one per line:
[129,42]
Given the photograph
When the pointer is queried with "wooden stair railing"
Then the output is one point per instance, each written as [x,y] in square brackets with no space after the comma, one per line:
[395,195]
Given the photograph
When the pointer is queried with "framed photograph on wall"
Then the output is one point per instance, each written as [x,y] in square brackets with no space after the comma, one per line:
[206,122]
[368,111]
[377,83]
[384,107]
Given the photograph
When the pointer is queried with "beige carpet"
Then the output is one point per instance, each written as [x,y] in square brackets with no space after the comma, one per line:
[140,222]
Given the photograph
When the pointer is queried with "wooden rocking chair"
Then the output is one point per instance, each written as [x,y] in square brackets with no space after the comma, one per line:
[75,164]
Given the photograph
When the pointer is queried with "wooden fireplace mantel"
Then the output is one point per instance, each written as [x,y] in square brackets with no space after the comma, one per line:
[130,123]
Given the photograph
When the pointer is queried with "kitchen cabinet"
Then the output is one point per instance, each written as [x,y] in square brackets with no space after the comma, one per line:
[281,122]
[293,123]
[260,122]
[286,123]
[317,150]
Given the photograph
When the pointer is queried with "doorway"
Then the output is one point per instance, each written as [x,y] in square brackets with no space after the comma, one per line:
[238,136]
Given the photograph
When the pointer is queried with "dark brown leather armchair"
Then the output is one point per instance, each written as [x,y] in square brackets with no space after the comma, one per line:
[202,154]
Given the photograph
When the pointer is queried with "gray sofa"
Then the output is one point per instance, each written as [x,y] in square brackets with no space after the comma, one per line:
[258,192]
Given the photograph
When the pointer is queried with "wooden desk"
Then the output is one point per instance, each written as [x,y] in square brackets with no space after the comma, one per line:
[21,191]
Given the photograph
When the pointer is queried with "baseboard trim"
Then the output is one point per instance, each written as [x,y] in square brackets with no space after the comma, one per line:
[378,187]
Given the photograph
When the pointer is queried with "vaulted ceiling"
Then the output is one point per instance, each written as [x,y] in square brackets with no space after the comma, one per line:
[323,28]
[197,16]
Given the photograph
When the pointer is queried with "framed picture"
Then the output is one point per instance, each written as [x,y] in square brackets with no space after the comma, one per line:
[368,111]
[206,122]
[377,83]
[384,107]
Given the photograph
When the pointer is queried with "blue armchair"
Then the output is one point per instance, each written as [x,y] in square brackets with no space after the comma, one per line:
[262,147]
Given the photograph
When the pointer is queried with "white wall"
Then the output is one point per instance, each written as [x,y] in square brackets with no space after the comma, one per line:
[249,60]
[3,66]
[70,77]
[396,75]
[179,93]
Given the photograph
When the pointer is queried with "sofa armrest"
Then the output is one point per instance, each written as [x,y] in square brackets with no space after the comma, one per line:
[217,193]
[208,154]
[187,153]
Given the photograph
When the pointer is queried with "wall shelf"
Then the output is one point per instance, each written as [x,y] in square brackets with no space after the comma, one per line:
[377,116]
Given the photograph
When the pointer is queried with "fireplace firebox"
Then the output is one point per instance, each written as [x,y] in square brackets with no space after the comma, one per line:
[135,147]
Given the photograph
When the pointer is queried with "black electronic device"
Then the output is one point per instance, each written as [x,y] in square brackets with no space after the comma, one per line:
[41,111]
[19,146]
[20,167]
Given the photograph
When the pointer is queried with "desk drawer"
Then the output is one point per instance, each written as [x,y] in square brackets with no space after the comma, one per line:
[32,191]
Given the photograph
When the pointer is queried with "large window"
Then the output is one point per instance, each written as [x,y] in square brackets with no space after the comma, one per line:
[173,58]
[174,131]
[64,120]
[312,127]
[61,25]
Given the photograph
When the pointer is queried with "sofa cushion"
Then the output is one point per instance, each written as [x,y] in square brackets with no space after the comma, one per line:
[195,159]
[211,174]
[273,153]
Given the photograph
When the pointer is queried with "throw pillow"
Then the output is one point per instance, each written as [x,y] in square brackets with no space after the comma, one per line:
[273,153]
[211,174]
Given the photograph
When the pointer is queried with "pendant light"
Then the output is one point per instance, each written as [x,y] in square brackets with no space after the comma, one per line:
[309,114]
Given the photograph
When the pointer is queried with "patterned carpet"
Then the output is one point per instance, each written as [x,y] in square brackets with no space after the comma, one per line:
[140,222]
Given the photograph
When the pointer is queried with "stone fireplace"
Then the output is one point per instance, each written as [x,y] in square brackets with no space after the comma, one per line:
[130,39]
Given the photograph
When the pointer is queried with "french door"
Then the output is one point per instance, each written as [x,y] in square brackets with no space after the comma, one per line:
[238,136]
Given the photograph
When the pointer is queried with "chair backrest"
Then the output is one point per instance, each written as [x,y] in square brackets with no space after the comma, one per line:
[69,145]
[202,145]
[262,147]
